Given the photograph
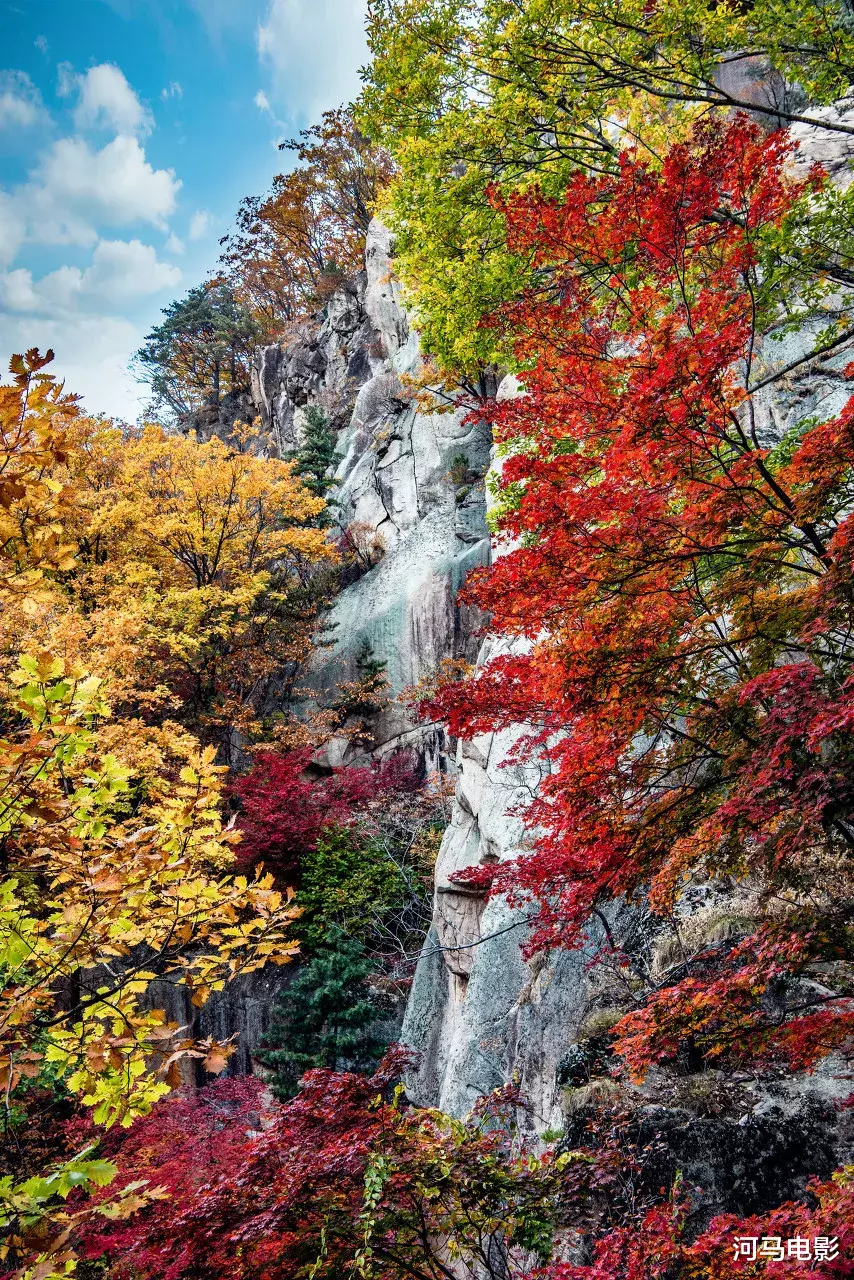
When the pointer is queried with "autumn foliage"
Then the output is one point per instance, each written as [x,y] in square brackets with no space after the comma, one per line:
[348,1177]
[116,857]
[192,579]
[285,807]
[344,1177]
[660,1246]
[294,246]
[674,606]
[677,579]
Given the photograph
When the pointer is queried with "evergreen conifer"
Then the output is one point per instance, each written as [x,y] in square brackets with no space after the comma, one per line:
[317,453]
[325,1018]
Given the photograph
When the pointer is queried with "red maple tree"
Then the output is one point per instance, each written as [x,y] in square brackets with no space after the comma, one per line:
[345,1179]
[678,581]
[285,805]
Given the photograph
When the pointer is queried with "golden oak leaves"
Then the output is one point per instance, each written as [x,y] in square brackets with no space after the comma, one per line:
[121,904]
[34,417]
[189,587]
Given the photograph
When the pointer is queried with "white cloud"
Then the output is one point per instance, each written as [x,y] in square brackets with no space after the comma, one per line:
[21,104]
[121,270]
[92,355]
[262,102]
[13,228]
[199,224]
[171,90]
[107,101]
[41,44]
[76,186]
[75,193]
[315,51]
[66,79]
[73,311]
[54,293]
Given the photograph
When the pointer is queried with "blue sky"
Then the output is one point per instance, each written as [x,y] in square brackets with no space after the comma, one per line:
[129,132]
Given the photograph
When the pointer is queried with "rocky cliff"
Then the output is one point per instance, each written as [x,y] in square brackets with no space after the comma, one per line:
[480,1014]
[398,485]
[411,483]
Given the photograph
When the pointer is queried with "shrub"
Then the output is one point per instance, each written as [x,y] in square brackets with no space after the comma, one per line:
[284,808]
[349,881]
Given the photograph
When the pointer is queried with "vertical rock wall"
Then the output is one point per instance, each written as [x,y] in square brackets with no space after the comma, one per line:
[394,482]
[479,1014]
[394,485]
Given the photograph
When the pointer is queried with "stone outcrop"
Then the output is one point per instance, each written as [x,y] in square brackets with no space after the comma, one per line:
[393,485]
[479,1014]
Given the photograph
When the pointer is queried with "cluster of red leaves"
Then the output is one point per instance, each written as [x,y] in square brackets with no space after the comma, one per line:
[682,592]
[716,1009]
[285,807]
[245,1178]
[345,1179]
[188,1141]
[657,1249]
[342,1173]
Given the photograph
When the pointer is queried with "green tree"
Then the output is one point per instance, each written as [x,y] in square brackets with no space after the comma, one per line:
[326,1018]
[345,882]
[317,454]
[200,352]
[372,683]
[359,701]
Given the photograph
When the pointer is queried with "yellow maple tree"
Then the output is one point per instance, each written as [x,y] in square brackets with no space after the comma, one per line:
[197,578]
[116,860]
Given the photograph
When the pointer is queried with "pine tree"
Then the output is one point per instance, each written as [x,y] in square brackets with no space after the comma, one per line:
[361,699]
[317,454]
[373,678]
[325,1018]
[200,352]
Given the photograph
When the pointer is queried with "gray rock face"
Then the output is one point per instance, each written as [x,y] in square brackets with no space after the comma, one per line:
[243,1010]
[393,481]
[734,1165]
[394,488]
[833,151]
[322,366]
[394,485]
[480,1014]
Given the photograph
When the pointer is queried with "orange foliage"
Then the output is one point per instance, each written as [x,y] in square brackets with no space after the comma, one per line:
[294,246]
